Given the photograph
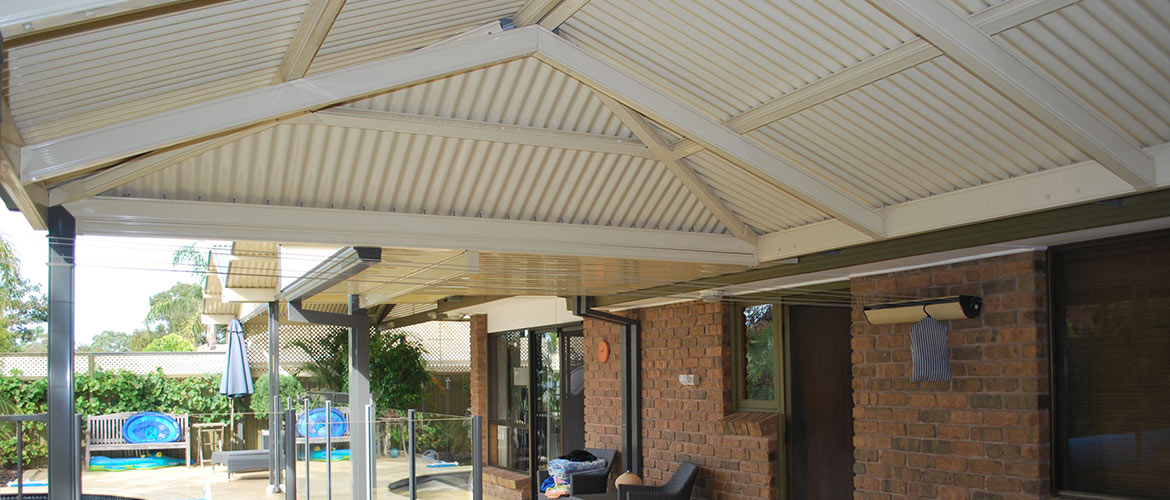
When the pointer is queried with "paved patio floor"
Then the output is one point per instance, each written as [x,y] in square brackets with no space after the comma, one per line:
[185,483]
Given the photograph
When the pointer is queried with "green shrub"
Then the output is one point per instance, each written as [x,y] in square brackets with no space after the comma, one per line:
[170,343]
[289,387]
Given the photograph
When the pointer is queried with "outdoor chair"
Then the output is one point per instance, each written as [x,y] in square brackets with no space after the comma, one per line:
[590,481]
[678,488]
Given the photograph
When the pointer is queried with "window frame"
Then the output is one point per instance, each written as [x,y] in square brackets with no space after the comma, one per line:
[1056,349]
[779,343]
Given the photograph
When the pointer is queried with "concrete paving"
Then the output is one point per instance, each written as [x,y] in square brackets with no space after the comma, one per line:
[186,483]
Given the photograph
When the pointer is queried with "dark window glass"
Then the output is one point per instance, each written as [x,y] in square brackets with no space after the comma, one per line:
[1111,320]
[759,354]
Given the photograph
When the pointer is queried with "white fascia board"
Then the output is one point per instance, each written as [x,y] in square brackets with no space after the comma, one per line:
[96,147]
[386,121]
[1016,79]
[217,319]
[235,221]
[721,140]
[992,20]
[1054,188]
[253,295]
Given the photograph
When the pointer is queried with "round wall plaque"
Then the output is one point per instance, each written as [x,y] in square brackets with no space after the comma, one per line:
[603,351]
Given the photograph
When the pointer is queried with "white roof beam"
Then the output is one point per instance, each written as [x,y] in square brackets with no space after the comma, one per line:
[306,42]
[31,199]
[130,171]
[993,20]
[684,173]
[724,142]
[238,221]
[51,15]
[87,150]
[532,12]
[548,13]
[1054,188]
[1016,79]
[480,131]
[444,270]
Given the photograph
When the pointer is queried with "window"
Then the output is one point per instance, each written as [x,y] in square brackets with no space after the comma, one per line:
[1111,342]
[509,399]
[757,349]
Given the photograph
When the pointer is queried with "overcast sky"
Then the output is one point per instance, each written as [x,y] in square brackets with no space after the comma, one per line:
[115,276]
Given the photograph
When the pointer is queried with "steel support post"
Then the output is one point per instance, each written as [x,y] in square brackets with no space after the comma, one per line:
[274,397]
[477,457]
[410,454]
[359,397]
[64,462]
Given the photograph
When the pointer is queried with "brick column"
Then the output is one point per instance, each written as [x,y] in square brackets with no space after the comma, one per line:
[479,375]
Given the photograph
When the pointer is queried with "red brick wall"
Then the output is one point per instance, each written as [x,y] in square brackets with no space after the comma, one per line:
[981,436]
[736,453]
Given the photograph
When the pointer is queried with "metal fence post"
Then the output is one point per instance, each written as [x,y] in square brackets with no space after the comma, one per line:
[371,426]
[20,460]
[290,453]
[308,491]
[328,447]
[477,457]
[410,453]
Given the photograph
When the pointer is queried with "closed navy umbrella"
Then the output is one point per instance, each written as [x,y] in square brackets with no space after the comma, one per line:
[237,377]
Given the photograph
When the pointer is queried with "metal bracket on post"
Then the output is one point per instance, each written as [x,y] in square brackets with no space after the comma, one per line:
[631,355]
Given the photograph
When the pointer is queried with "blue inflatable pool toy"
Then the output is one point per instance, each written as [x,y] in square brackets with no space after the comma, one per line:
[156,461]
[150,427]
[338,425]
[319,455]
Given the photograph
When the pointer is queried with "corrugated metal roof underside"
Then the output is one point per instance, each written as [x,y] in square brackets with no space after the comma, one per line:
[89,79]
[928,130]
[337,167]
[517,274]
[757,202]
[253,274]
[525,92]
[1113,55]
[724,58]
[972,6]
[374,29]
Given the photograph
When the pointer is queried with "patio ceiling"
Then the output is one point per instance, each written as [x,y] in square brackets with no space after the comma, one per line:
[719,133]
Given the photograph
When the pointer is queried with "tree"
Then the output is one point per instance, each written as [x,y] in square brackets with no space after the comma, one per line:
[23,307]
[178,310]
[110,341]
[142,338]
[170,343]
[398,371]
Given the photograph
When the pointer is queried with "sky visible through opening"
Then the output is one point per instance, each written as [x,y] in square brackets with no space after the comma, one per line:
[115,277]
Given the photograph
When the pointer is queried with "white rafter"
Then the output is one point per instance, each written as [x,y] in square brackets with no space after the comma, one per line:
[548,13]
[685,174]
[993,20]
[315,25]
[1054,188]
[138,168]
[48,16]
[724,142]
[86,150]
[238,221]
[387,121]
[1016,79]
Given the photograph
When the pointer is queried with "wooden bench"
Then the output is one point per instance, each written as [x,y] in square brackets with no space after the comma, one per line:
[104,432]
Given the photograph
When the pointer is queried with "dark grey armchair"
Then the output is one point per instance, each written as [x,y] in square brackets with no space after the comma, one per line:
[593,481]
[678,488]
